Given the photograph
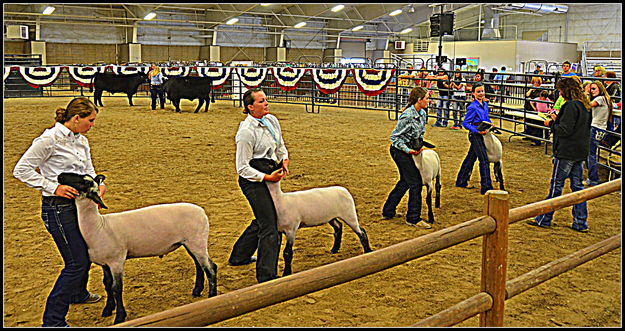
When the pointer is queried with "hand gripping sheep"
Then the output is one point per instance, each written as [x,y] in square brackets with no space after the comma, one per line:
[312,207]
[429,165]
[495,155]
[149,231]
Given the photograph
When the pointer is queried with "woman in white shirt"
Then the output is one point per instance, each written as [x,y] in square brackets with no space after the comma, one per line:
[601,114]
[259,136]
[63,148]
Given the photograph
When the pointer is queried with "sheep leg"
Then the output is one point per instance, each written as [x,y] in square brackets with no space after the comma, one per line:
[437,202]
[199,275]
[338,233]
[203,265]
[287,254]
[428,201]
[117,286]
[499,175]
[108,286]
[364,240]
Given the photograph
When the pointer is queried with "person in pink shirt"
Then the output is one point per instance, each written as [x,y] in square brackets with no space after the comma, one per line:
[539,103]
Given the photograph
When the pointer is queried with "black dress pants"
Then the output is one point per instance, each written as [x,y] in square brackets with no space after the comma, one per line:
[261,234]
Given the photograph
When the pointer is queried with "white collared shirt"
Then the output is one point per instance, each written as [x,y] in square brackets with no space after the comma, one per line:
[253,141]
[57,150]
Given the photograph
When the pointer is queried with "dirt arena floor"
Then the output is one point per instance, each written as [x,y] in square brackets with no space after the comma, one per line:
[152,157]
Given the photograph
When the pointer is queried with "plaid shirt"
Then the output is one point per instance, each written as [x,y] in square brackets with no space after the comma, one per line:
[409,129]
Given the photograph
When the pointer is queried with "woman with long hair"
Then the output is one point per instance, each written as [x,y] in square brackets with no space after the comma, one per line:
[407,140]
[601,115]
[571,139]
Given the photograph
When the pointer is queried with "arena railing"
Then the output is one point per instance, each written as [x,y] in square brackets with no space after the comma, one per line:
[489,303]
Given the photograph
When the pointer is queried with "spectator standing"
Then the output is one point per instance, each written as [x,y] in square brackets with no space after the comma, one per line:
[601,114]
[566,70]
[599,71]
[571,138]
[459,97]
[442,111]
[156,86]
[531,94]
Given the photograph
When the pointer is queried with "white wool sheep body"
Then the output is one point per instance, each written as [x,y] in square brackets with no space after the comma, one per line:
[150,231]
[429,165]
[308,208]
[494,149]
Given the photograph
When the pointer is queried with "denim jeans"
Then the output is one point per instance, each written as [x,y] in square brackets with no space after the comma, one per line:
[261,234]
[409,180]
[459,109]
[596,135]
[157,90]
[563,169]
[61,221]
[477,151]
[442,113]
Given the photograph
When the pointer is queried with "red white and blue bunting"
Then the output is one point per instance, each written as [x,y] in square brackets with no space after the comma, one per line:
[83,75]
[128,70]
[329,80]
[288,78]
[181,71]
[372,82]
[218,74]
[7,72]
[252,77]
[40,76]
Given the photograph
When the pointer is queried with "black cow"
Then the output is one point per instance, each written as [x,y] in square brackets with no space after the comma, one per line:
[190,88]
[116,83]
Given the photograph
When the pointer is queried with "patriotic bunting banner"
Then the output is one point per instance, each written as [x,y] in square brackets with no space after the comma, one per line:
[329,80]
[218,74]
[176,71]
[372,82]
[7,72]
[252,77]
[83,75]
[288,78]
[127,70]
[40,76]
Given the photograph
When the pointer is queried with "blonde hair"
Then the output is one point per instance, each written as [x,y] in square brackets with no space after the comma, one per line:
[603,92]
[537,79]
[80,106]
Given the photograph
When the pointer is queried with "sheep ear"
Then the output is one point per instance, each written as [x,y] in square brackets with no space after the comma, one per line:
[99,179]
[96,198]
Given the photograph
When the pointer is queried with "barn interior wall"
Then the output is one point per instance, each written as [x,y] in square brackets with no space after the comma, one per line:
[304,55]
[81,53]
[15,47]
[166,53]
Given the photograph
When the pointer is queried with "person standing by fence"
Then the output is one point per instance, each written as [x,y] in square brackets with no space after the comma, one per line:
[63,148]
[571,139]
[477,112]
[156,86]
[442,85]
[259,136]
[601,115]
[459,97]
[407,140]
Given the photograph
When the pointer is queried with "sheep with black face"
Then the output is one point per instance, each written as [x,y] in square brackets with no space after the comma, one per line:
[150,231]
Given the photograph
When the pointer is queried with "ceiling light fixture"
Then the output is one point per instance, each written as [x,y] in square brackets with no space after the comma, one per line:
[337,8]
[265,4]
[406,30]
[299,25]
[395,12]
[149,16]
[360,27]
[232,21]
[48,10]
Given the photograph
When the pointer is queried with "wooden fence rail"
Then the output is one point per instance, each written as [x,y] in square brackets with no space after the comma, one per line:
[239,302]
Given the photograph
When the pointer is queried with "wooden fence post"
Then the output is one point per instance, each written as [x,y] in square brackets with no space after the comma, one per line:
[494,257]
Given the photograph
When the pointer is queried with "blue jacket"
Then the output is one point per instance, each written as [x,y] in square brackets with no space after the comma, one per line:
[476,113]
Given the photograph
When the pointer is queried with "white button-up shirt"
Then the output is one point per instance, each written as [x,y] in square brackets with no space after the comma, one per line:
[253,141]
[56,151]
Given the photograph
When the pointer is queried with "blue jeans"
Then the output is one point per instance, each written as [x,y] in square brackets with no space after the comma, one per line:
[61,221]
[459,107]
[157,90]
[596,135]
[563,169]
[477,151]
[442,113]
[409,180]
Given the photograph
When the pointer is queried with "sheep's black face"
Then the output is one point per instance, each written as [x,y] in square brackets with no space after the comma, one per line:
[266,166]
[85,184]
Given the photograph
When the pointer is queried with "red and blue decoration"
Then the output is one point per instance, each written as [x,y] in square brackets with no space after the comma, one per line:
[219,75]
[128,70]
[7,72]
[252,77]
[372,82]
[40,76]
[181,71]
[288,78]
[84,75]
[329,81]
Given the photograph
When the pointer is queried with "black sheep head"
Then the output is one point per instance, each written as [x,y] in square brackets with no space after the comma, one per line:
[266,166]
[85,184]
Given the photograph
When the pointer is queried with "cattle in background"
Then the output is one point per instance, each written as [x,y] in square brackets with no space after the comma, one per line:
[190,88]
[116,83]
